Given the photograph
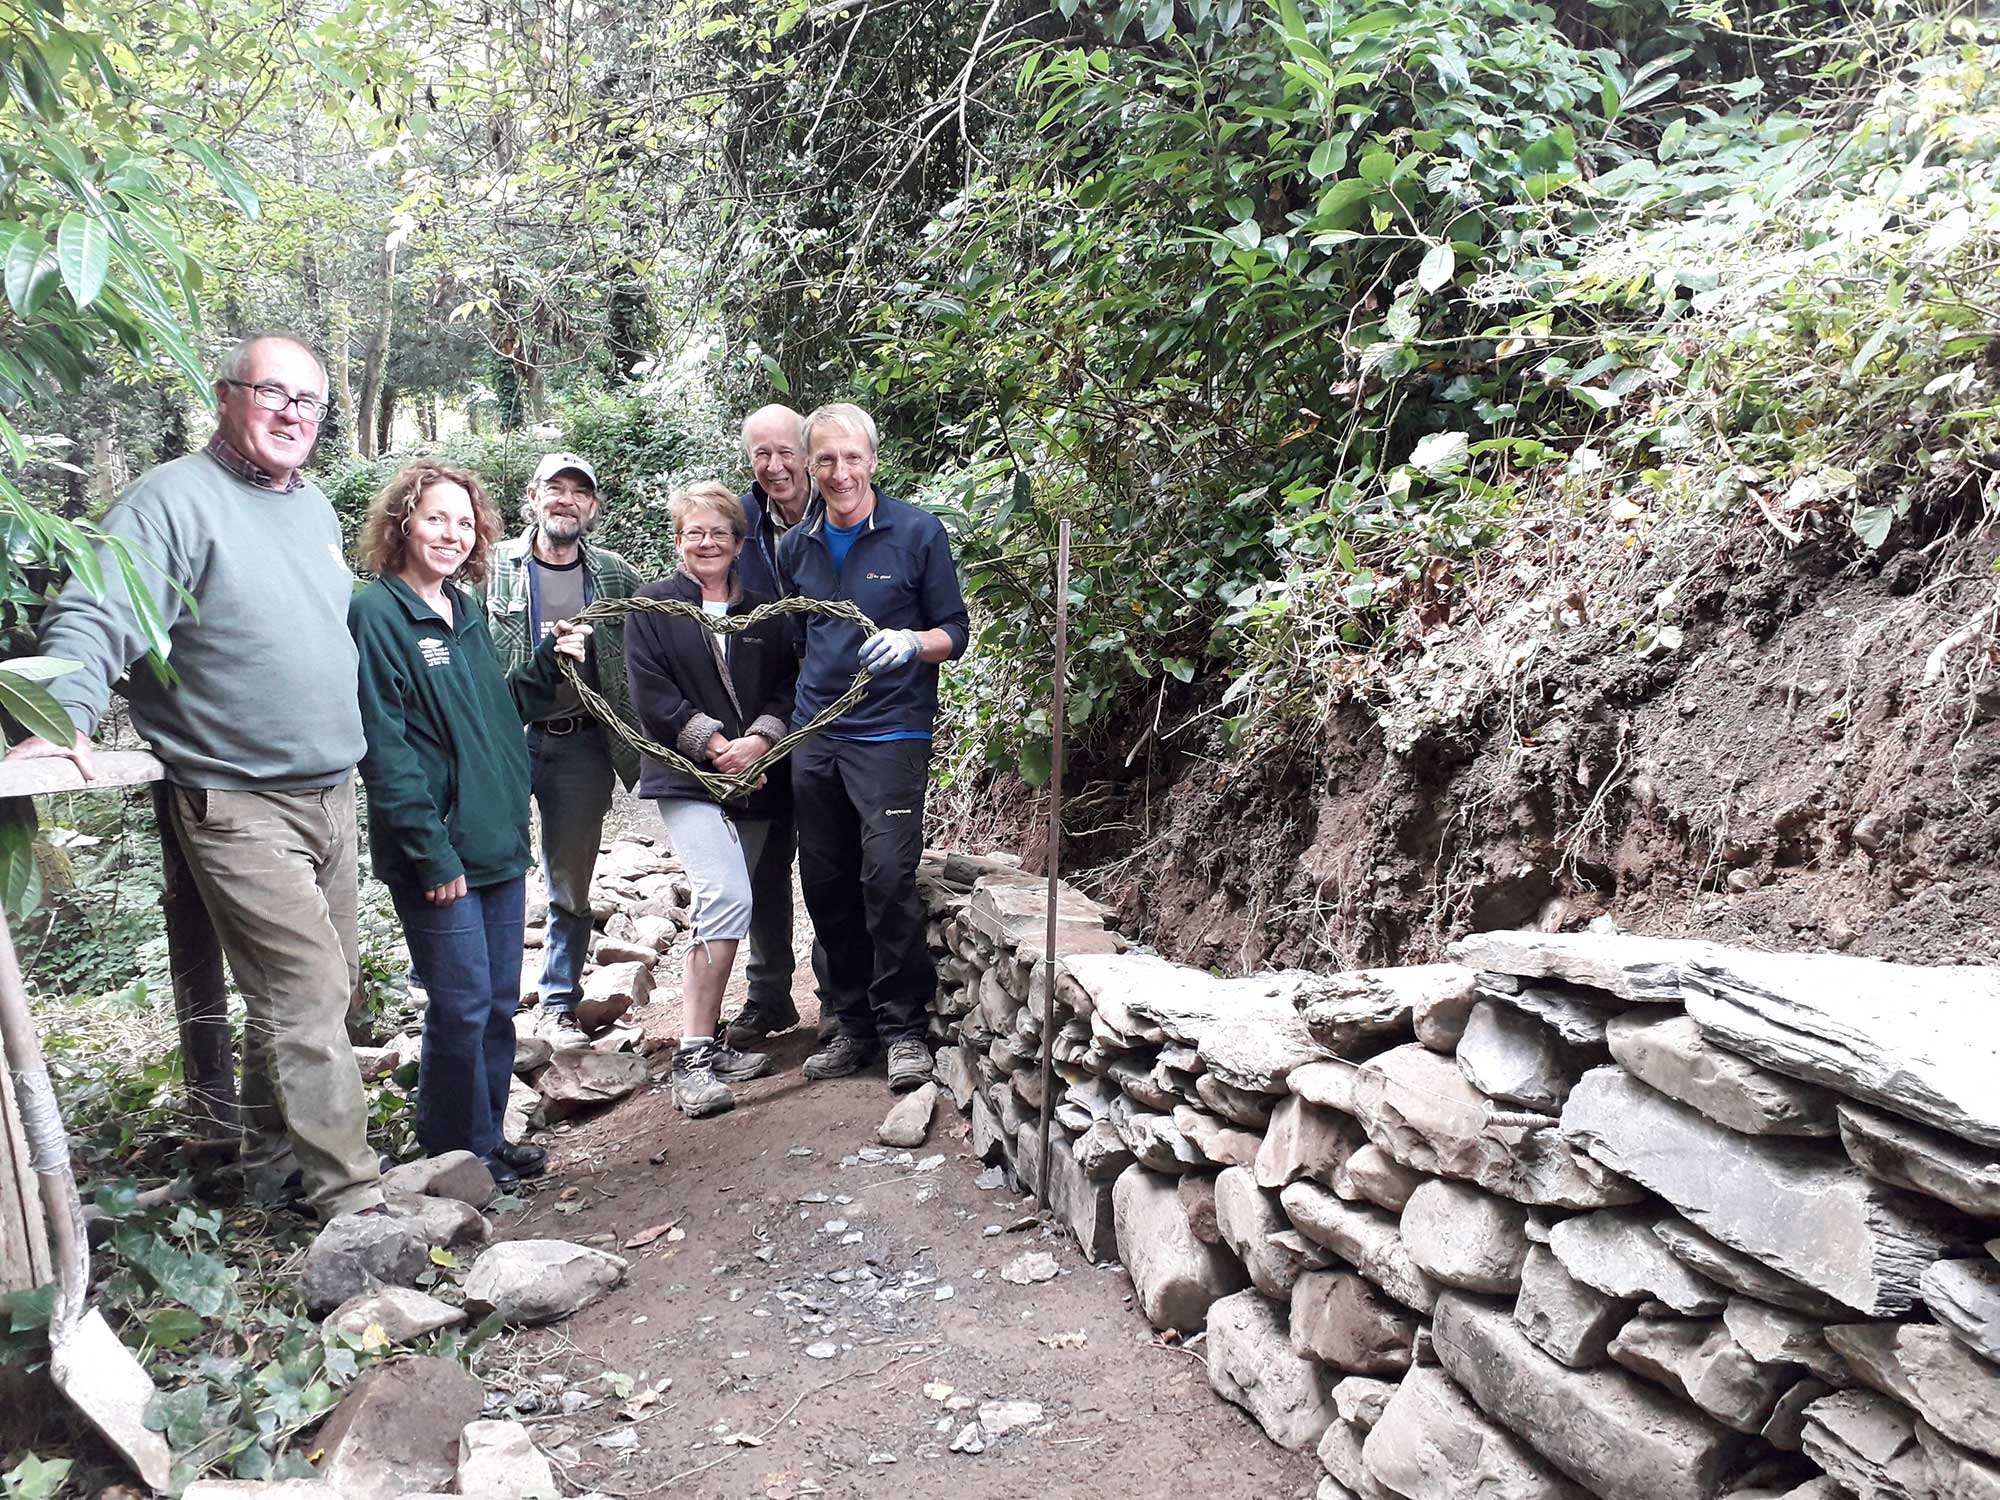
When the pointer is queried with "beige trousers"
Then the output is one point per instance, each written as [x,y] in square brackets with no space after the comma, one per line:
[277,873]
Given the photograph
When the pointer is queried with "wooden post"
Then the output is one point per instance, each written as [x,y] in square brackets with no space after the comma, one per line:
[194,954]
[24,1239]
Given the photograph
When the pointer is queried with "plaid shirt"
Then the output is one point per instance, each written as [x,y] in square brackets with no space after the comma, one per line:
[505,598]
[232,458]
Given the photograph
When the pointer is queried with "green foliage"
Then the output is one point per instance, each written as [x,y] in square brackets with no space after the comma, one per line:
[35,1478]
[645,441]
[1236,349]
[1295,311]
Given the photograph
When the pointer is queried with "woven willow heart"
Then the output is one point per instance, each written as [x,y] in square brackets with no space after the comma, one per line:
[725,788]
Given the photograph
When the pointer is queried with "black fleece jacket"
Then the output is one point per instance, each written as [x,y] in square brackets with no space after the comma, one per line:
[679,699]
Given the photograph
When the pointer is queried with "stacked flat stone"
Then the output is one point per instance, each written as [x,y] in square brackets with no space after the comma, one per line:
[1579,1214]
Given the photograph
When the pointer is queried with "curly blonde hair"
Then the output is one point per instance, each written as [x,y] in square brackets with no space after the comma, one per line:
[385,542]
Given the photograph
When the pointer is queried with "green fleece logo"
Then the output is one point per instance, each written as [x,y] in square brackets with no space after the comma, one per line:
[436,652]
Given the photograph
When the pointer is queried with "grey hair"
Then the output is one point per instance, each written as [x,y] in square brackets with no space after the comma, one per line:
[843,414]
[236,359]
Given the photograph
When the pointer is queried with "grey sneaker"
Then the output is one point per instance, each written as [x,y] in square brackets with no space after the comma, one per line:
[732,1066]
[697,1091]
[909,1065]
[757,1021]
[840,1057]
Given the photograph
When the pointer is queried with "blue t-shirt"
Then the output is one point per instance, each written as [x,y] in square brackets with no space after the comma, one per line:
[840,541]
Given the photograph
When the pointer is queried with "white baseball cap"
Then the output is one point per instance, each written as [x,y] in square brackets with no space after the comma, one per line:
[553,464]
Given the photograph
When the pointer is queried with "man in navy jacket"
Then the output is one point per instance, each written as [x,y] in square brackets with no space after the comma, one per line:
[775,503]
[859,787]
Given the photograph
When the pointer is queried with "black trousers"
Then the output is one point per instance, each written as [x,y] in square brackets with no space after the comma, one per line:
[859,806]
[771,964]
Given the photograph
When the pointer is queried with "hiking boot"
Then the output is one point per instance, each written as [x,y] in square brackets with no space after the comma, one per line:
[759,1019]
[732,1066]
[839,1058]
[561,1029]
[697,1091]
[909,1065]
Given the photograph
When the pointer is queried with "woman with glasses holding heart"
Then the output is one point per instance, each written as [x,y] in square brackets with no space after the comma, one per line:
[720,700]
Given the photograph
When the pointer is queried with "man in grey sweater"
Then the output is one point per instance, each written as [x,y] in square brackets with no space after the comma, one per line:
[243,571]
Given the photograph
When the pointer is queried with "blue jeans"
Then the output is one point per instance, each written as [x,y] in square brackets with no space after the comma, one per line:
[468,957]
[571,778]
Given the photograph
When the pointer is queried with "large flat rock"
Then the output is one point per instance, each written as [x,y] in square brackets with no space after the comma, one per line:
[1246,1031]
[1013,914]
[1174,1274]
[1463,1237]
[1669,1053]
[1964,1296]
[1566,1319]
[1579,1016]
[1368,1239]
[530,1282]
[1920,1041]
[1372,1175]
[1357,1011]
[1797,1206]
[1616,1251]
[1643,970]
[1954,1473]
[396,1430]
[1926,1369]
[1417,1106]
[1700,1360]
[1908,1155]
[1341,1320]
[1612,1433]
[1727,1266]
[1252,1363]
[1305,1140]
[1516,1058]
[1868,1445]
[1248,1218]
[1431,1443]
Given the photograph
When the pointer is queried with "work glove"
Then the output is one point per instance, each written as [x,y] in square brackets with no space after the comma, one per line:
[889,651]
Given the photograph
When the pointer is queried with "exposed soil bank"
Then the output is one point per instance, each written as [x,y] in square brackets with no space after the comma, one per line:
[1813,764]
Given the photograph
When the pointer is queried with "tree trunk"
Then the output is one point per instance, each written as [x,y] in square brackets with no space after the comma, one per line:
[385,421]
[345,431]
[173,424]
[628,323]
[311,286]
[427,418]
[376,360]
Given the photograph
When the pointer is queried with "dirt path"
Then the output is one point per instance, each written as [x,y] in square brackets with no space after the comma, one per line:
[843,1304]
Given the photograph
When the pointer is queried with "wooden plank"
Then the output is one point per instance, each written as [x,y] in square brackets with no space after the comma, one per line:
[115,768]
[24,1239]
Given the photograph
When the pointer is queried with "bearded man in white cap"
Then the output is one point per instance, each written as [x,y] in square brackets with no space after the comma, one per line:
[549,573]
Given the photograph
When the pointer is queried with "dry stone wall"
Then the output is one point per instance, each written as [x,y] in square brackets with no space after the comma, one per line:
[1578,1214]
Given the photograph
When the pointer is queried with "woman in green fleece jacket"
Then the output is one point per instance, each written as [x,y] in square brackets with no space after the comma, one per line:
[447,777]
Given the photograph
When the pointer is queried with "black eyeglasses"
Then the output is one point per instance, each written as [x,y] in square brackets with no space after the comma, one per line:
[275,398]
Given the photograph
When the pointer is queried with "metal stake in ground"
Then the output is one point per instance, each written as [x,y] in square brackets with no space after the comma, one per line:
[1055,859]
